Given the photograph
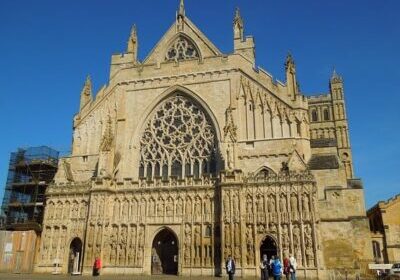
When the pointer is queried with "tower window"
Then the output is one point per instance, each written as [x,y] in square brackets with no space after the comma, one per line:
[326,115]
[314,115]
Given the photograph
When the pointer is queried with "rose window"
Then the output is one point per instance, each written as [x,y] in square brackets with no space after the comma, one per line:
[179,140]
[182,49]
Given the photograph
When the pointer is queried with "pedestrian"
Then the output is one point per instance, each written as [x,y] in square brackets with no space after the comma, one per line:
[293,267]
[264,265]
[96,267]
[286,268]
[271,261]
[277,269]
[230,267]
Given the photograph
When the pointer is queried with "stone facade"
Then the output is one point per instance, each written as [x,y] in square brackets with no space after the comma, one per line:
[210,148]
[384,221]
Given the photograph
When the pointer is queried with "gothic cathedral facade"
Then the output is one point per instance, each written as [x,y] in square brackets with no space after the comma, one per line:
[192,155]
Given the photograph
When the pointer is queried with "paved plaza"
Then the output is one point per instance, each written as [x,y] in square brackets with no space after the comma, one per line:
[105,277]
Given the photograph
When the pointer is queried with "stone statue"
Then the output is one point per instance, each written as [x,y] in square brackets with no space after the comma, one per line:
[179,207]
[197,241]
[170,207]
[197,207]
[296,237]
[249,207]
[294,206]
[235,205]
[306,207]
[236,233]
[260,204]
[160,207]
[308,235]
[188,207]
[225,202]
[227,232]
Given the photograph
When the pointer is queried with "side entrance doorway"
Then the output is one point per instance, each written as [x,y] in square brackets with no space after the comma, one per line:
[75,256]
[164,256]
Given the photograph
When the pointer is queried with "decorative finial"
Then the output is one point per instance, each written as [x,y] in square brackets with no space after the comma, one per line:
[238,25]
[238,17]
[335,77]
[289,64]
[180,17]
[132,42]
[87,88]
[181,11]
[86,93]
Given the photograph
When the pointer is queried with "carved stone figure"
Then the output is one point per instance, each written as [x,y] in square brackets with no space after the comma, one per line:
[249,206]
[308,235]
[179,207]
[160,207]
[197,207]
[169,208]
[187,243]
[294,206]
[227,232]
[306,207]
[226,208]
[310,256]
[296,237]
[283,208]
[260,204]
[197,241]
[236,233]
[235,206]
[188,209]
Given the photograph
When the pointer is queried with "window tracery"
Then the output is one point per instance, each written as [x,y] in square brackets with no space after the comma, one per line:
[182,49]
[179,140]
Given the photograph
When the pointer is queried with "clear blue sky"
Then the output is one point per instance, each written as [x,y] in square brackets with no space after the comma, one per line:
[48,47]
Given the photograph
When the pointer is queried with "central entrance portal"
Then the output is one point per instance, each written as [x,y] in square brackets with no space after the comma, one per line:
[164,259]
[268,247]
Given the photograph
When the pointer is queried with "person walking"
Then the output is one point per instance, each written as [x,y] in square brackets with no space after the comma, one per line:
[286,268]
[264,266]
[96,267]
[277,269]
[271,262]
[293,267]
[230,267]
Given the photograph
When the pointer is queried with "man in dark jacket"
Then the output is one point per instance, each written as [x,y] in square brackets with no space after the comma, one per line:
[230,267]
[264,266]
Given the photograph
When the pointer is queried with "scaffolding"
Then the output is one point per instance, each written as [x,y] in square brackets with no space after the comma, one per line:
[29,173]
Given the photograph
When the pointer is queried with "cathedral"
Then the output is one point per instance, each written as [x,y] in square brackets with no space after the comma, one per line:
[192,155]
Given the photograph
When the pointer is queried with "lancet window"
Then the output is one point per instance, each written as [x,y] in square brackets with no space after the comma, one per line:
[179,140]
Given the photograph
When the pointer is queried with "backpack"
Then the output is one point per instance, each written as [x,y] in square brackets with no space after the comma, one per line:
[276,268]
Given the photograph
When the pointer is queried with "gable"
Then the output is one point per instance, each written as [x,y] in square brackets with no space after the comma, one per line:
[191,36]
[296,163]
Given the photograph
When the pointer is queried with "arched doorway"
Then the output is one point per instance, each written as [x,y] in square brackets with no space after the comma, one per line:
[164,256]
[75,256]
[268,247]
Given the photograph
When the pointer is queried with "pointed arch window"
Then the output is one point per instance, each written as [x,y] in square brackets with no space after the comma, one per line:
[326,115]
[314,115]
[179,140]
[182,49]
